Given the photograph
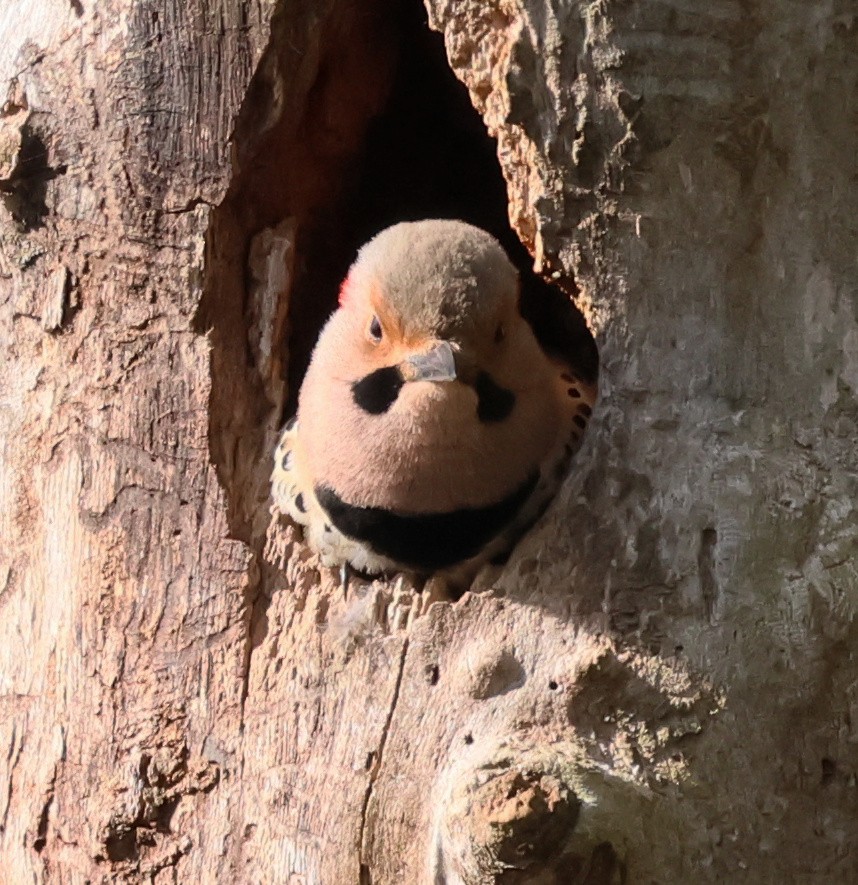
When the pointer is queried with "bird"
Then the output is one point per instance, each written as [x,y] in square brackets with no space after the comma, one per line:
[432,428]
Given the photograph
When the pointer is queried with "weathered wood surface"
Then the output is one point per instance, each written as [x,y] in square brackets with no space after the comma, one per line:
[666,664]
[124,600]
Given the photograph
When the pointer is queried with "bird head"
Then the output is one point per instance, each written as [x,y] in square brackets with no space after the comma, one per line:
[426,370]
[434,299]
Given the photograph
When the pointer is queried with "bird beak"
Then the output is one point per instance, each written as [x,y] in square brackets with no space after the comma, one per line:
[436,364]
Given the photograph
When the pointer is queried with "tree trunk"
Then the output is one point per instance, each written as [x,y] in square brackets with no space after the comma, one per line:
[660,685]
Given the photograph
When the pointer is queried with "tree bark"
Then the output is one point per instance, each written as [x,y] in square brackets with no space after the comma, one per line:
[124,601]
[659,686]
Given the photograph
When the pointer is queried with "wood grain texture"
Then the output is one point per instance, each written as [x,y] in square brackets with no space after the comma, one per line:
[123,605]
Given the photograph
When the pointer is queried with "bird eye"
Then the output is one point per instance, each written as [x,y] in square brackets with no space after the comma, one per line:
[500,333]
[375,330]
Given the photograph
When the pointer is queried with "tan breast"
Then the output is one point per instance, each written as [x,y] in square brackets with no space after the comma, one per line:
[429,453]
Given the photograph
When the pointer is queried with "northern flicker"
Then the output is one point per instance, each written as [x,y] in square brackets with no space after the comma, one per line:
[432,427]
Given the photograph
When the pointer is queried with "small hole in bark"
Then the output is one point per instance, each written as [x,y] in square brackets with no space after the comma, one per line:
[552,685]
[433,674]
[25,191]
[122,846]
[469,738]
[164,814]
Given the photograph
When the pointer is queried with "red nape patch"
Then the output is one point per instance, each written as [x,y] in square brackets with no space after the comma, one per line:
[346,290]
